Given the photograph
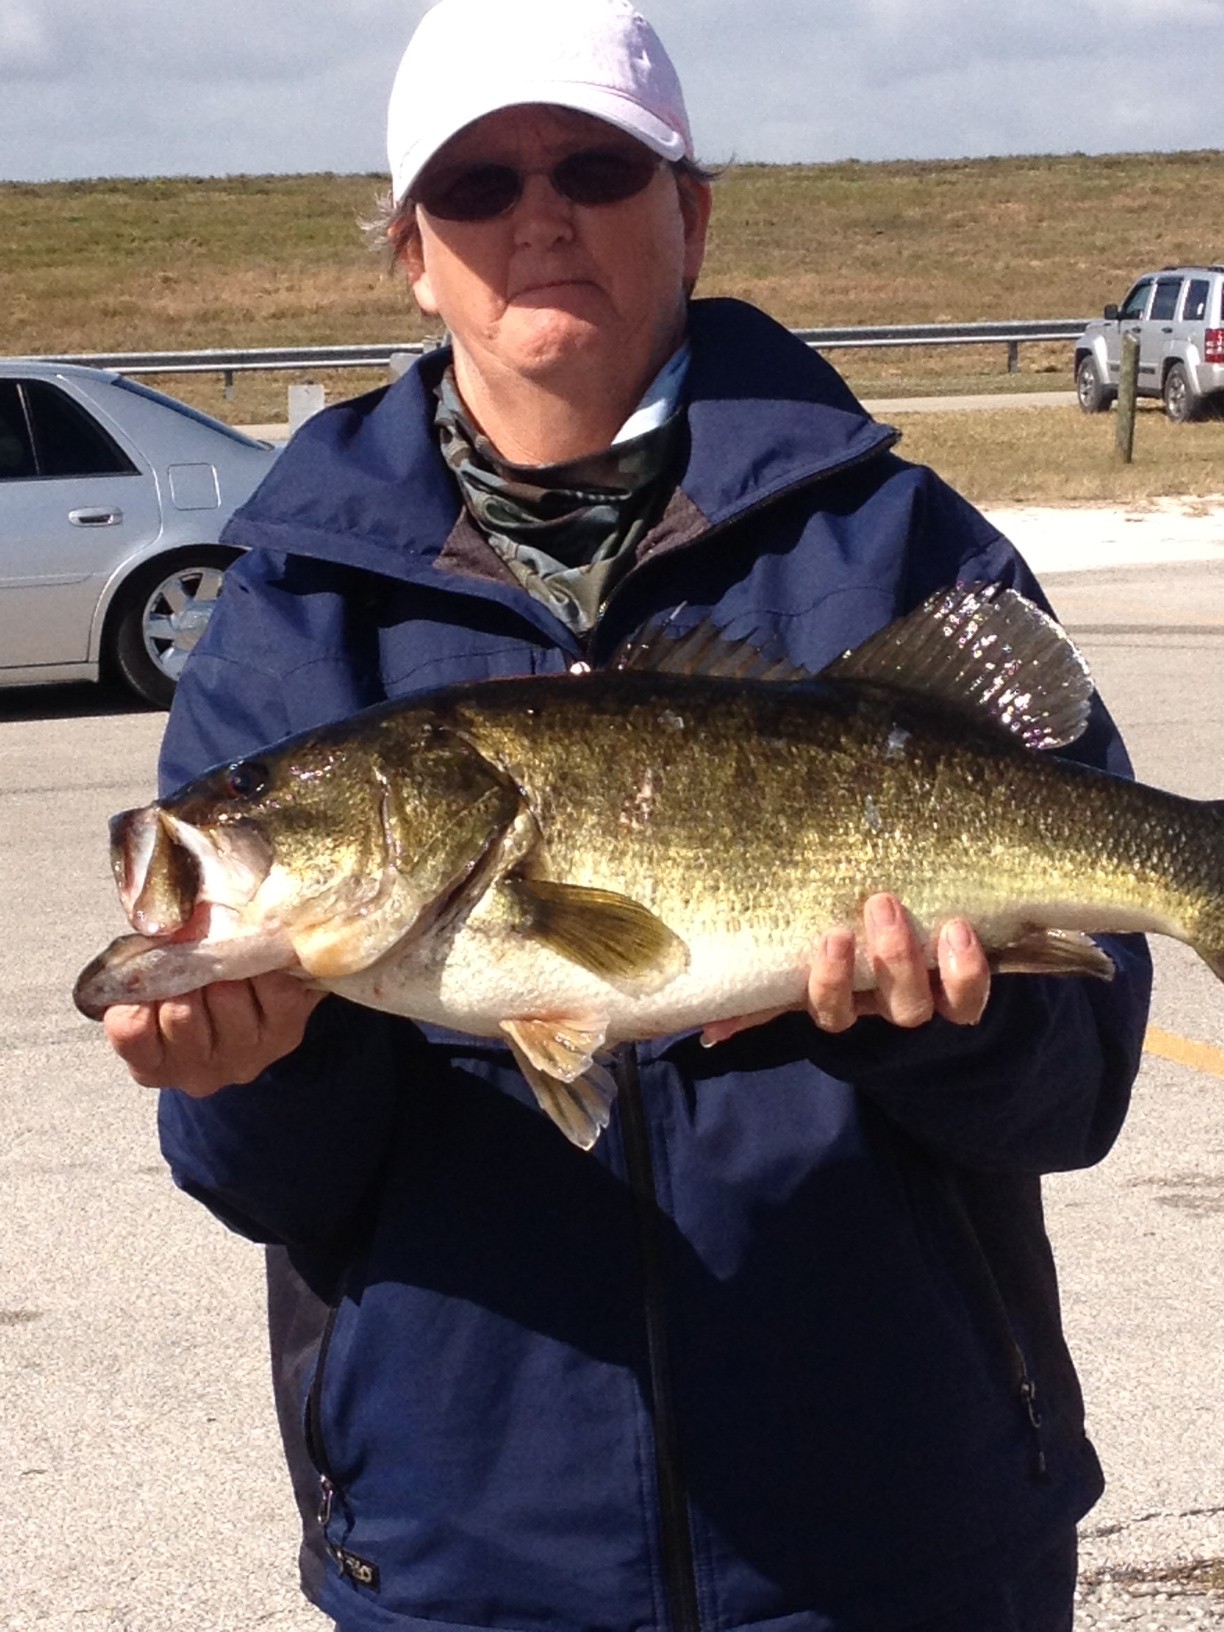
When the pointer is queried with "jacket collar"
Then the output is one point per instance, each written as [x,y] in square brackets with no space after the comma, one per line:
[362,483]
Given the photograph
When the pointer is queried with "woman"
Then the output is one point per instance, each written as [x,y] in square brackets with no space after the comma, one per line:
[785,1349]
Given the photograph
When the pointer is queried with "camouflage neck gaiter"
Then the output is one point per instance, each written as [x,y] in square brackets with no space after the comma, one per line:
[567,532]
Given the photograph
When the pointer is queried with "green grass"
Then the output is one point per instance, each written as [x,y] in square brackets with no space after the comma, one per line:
[186,264]
[250,261]
[1060,456]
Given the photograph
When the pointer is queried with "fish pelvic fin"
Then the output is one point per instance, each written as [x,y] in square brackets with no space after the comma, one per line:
[1052,952]
[557,1057]
[612,935]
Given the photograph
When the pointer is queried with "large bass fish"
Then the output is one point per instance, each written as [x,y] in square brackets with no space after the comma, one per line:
[574,861]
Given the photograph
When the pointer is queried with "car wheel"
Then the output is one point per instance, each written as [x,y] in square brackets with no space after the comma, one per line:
[162,612]
[1180,402]
[1094,396]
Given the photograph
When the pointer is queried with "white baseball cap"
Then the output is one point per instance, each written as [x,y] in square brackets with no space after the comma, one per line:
[468,58]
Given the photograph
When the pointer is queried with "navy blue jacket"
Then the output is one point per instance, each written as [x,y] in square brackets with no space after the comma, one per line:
[784,1351]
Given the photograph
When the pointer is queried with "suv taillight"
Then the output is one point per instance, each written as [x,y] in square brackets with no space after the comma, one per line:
[1213,346]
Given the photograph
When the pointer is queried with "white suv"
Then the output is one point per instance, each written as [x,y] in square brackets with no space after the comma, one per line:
[1178,315]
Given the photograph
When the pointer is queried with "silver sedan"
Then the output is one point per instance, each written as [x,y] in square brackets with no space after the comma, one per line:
[112,501]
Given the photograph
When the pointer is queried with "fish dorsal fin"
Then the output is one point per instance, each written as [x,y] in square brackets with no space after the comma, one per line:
[705,650]
[988,652]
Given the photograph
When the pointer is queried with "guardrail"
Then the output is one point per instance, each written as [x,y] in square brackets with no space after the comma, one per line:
[1012,334]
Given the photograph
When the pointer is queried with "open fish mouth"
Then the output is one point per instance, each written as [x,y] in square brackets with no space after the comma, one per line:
[170,873]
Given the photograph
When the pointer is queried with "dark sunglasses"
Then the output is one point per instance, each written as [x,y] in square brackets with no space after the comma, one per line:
[481,192]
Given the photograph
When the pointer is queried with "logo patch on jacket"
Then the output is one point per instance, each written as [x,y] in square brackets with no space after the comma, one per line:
[357,1569]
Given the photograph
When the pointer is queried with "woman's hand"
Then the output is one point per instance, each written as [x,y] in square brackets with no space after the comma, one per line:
[225,1033]
[907,993]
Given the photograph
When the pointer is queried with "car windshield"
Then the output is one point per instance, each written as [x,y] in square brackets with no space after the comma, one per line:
[187,411]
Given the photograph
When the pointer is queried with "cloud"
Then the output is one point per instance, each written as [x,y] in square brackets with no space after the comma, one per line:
[25,46]
[215,86]
[877,79]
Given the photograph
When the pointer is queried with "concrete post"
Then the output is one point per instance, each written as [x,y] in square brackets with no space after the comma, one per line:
[304,400]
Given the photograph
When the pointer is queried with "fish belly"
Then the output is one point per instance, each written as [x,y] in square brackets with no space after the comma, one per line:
[482,978]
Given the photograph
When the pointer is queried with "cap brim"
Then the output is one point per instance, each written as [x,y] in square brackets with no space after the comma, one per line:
[597,100]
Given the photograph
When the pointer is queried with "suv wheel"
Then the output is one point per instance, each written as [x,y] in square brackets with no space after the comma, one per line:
[1090,388]
[1180,402]
[161,613]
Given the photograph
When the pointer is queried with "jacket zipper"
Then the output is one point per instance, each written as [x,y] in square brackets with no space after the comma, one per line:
[328,1490]
[1023,1382]
[675,1533]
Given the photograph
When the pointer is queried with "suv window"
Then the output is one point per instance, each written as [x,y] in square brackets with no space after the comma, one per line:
[67,441]
[1134,303]
[1195,308]
[16,449]
[1165,302]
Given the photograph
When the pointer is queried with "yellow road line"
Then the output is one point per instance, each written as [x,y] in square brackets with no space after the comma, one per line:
[1169,1046]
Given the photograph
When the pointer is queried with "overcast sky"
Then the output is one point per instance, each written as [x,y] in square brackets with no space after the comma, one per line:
[214,87]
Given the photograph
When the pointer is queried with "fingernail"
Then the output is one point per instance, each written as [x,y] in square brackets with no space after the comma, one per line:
[883,912]
[957,936]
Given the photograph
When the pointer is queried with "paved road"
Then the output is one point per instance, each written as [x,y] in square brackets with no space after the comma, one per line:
[881,407]
[142,1484]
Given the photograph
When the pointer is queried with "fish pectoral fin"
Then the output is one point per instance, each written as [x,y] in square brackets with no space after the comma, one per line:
[1052,952]
[612,935]
[557,1059]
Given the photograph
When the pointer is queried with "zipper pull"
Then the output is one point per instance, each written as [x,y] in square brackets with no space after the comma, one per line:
[1028,1397]
[327,1495]
[1028,1393]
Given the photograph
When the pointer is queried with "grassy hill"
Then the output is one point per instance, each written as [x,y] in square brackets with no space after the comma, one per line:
[266,260]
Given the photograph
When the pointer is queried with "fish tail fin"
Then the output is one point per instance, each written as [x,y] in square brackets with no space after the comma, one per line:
[1207,935]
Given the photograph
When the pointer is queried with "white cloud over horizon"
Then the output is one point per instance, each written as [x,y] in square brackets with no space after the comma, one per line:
[215,87]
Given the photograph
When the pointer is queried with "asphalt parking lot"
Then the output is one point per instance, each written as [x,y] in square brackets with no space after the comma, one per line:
[142,1479]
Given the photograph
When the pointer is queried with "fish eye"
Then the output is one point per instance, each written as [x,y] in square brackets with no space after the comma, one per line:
[245,780]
